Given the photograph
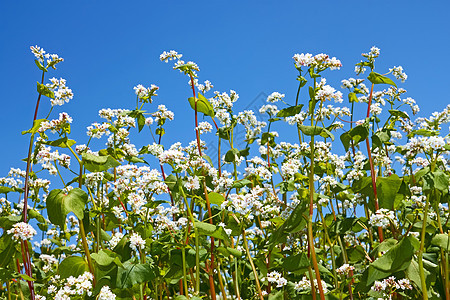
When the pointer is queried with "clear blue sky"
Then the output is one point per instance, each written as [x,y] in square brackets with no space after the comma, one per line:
[111,46]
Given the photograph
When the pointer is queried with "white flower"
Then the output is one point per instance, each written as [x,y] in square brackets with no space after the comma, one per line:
[204,127]
[192,183]
[106,294]
[61,91]
[382,218]
[345,269]
[115,239]
[275,97]
[136,242]
[398,73]
[320,60]
[172,54]
[277,278]
[374,53]
[23,231]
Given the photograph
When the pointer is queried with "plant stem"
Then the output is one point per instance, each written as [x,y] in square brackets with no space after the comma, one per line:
[208,205]
[422,245]
[183,255]
[422,240]
[372,169]
[311,210]
[255,273]
[26,191]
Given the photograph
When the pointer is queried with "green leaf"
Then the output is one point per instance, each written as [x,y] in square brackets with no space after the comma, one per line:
[104,257]
[39,65]
[141,121]
[352,97]
[26,277]
[438,180]
[413,274]
[398,113]
[387,188]
[203,105]
[6,189]
[227,251]
[60,204]
[6,222]
[441,240]
[216,198]
[238,184]
[62,142]
[9,250]
[423,132]
[294,223]
[212,230]
[96,163]
[376,78]
[131,274]
[72,266]
[232,155]
[380,138]
[45,91]
[398,257]
[278,296]
[316,130]
[34,214]
[35,128]
[356,254]
[296,262]
[290,111]
[357,134]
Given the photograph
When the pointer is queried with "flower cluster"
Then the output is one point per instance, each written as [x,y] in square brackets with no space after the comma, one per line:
[72,286]
[321,61]
[276,277]
[389,285]
[62,94]
[22,231]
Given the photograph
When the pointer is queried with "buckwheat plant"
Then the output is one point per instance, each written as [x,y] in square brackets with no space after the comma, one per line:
[338,194]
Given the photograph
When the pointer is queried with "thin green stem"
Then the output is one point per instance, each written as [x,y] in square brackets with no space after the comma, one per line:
[422,245]
[312,251]
[250,259]
[183,256]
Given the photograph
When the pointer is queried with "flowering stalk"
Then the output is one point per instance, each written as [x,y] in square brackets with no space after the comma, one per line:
[255,273]
[208,205]
[80,222]
[372,168]
[312,251]
[27,262]
[422,239]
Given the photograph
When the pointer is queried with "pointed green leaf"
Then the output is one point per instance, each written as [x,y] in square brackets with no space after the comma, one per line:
[216,198]
[376,78]
[62,142]
[316,130]
[290,111]
[352,97]
[96,163]
[35,128]
[45,91]
[132,274]
[72,266]
[39,65]
[60,204]
[203,105]
[441,240]
[398,257]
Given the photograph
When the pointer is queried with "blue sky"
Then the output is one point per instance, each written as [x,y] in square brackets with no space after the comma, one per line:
[111,46]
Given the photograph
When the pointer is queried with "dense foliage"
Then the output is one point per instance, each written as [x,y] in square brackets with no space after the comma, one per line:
[280,218]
